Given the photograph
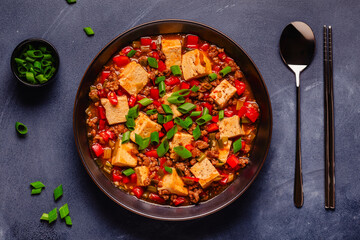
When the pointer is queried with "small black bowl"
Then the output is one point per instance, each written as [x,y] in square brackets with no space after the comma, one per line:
[35,42]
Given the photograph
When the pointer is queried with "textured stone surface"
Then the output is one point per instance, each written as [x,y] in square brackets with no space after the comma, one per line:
[266,210]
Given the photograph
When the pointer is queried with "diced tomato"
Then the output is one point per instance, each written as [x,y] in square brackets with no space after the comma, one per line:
[161,66]
[97,149]
[145,41]
[205,139]
[132,101]
[189,147]
[104,75]
[156,55]
[168,125]
[133,178]
[216,68]
[215,118]
[161,134]
[212,127]
[121,61]
[154,93]
[224,180]
[192,178]
[252,114]
[162,161]
[198,108]
[110,134]
[156,198]
[139,97]
[228,59]
[102,124]
[172,81]
[179,200]
[102,93]
[126,50]
[208,106]
[232,161]
[228,112]
[222,56]
[243,144]
[119,92]
[116,177]
[153,45]
[242,111]
[240,87]
[101,111]
[184,85]
[126,179]
[138,191]
[194,82]
[192,39]
[104,136]
[152,153]
[206,95]
[112,98]
[205,47]
[157,103]
[193,46]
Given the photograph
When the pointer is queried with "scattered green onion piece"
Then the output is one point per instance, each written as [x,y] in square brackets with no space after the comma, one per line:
[41,78]
[29,59]
[168,169]
[145,102]
[196,133]
[52,215]
[182,152]
[237,145]
[58,192]
[213,76]
[125,137]
[171,132]
[225,71]
[142,142]
[221,114]
[30,77]
[201,157]
[184,123]
[131,53]
[36,191]
[186,107]
[163,148]
[71,1]
[168,118]
[19,61]
[44,217]
[42,49]
[175,69]
[34,53]
[89,31]
[68,218]
[133,112]
[182,92]
[21,128]
[152,62]
[176,99]
[130,123]
[64,210]
[37,184]
[194,88]
[47,56]
[151,111]
[159,79]
[167,109]
[204,119]
[195,113]
[154,138]
[205,111]
[162,89]
[128,172]
[160,119]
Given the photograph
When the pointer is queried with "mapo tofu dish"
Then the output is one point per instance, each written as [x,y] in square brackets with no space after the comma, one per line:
[172,119]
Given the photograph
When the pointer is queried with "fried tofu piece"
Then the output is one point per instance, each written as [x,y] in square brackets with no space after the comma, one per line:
[116,114]
[205,171]
[222,93]
[142,174]
[172,50]
[144,126]
[230,127]
[195,64]
[172,106]
[174,184]
[124,155]
[224,152]
[133,78]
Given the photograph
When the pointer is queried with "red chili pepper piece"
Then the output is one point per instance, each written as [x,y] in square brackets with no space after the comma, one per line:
[205,47]
[97,149]
[215,118]
[121,60]
[132,101]
[153,46]
[152,153]
[205,139]
[168,125]
[189,147]
[228,59]
[145,41]
[119,92]
[126,179]
[242,111]
[116,177]
[192,178]
[102,93]
[110,134]
[228,112]
[104,75]
[232,161]
[161,134]
[194,82]
[225,180]
[243,144]
[212,127]
[172,81]
[156,103]
[126,50]
[161,66]
[240,87]
[208,106]
[133,178]
[101,111]
[154,93]
[252,114]
[162,161]
[192,39]
[156,198]
[193,46]
[222,56]
[184,85]
[112,98]
[179,201]
[104,136]
[216,69]
[138,191]
[102,124]
[156,55]
[139,97]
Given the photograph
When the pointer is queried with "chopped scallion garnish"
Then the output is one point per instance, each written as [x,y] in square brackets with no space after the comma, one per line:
[125,137]
[152,62]
[154,138]
[52,215]
[237,145]
[68,220]
[221,114]
[171,132]
[37,184]
[225,71]
[128,172]
[21,128]
[35,191]
[142,142]
[151,112]
[131,53]
[162,89]
[44,217]
[133,112]
[159,79]
[58,192]
[163,148]
[167,109]
[195,113]
[175,69]
[204,119]
[89,31]
[160,119]
[186,123]
[212,76]
[130,123]
[168,169]
[186,107]
[196,133]
[168,118]
[182,152]
[194,88]
[64,210]
[145,102]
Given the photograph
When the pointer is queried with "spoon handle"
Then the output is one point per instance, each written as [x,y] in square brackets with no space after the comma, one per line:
[298,185]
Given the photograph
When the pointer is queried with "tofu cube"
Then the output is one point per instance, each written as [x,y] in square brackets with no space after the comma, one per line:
[124,155]
[224,152]
[133,78]
[116,114]
[205,171]
[222,93]
[195,64]
[172,106]
[172,50]
[142,174]
[230,127]
[144,126]
[174,184]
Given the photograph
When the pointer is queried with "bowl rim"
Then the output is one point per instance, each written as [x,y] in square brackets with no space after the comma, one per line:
[133,210]
[22,44]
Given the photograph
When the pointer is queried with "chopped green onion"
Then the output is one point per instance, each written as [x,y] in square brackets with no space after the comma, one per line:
[44,217]
[68,220]
[204,119]
[133,112]
[213,76]
[196,133]
[125,137]
[47,56]
[195,113]
[131,53]
[58,192]
[71,1]
[37,66]
[37,184]
[89,31]
[142,142]
[30,77]
[182,152]
[128,172]
[168,118]
[167,109]
[171,132]
[19,61]
[182,92]
[41,78]
[52,215]
[145,102]
[64,210]
[237,145]
[186,107]
[151,111]
[154,138]
[205,111]
[221,114]
[162,89]
[45,63]
[194,88]
[225,71]
[34,53]
[176,99]
[152,62]
[201,157]
[175,69]
[168,169]
[160,119]
[184,123]
[36,191]
[29,59]
[163,148]
[130,123]
[159,79]
[21,128]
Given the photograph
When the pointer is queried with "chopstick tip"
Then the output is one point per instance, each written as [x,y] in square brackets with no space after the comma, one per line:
[329,27]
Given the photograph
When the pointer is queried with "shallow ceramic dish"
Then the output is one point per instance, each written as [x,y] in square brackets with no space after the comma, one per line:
[261,144]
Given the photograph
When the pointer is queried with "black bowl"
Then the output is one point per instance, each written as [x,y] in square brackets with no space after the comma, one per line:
[258,154]
[35,42]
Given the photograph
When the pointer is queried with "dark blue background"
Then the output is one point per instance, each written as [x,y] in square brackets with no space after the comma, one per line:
[266,210]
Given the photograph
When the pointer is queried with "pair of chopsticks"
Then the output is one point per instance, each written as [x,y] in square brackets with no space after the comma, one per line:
[329,121]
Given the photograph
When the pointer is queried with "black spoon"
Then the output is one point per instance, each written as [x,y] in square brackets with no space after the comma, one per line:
[297,47]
